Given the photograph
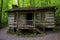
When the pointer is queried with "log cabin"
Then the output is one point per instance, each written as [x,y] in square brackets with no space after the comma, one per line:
[31,17]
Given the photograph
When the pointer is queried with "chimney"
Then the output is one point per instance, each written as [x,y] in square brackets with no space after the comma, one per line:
[14,6]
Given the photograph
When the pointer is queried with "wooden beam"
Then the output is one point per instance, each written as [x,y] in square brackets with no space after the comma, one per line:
[34,20]
[54,29]
[34,24]
[17,19]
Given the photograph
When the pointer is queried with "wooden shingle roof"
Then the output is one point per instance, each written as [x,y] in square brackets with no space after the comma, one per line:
[28,9]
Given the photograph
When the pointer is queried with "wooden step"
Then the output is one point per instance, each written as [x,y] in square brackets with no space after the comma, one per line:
[38,30]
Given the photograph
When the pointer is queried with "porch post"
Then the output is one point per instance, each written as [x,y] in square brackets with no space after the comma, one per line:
[34,24]
[17,19]
[34,20]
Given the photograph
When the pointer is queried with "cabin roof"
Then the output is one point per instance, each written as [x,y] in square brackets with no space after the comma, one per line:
[29,9]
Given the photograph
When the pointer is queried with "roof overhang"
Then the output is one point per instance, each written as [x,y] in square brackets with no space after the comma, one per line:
[32,9]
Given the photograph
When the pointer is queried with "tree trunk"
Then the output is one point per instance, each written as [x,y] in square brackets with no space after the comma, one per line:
[1,11]
[18,2]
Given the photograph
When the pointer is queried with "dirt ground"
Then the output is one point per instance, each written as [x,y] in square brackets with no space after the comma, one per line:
[50,36]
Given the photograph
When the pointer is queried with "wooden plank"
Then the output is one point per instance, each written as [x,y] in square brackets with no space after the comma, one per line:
[12,25]
[45,23]
[17,19]
[11,15]
[34,20]
[50,20]
[22,20]
[50,26]
[51,23]
[38,18]
[10,22]
[26,25]
[50,17]
[10,18]
[38,30]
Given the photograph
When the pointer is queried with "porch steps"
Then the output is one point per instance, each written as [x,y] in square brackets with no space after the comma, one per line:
[39,30]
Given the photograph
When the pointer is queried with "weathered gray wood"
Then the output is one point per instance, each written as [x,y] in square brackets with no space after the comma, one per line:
[34,19]
[11,25]
[21,21]
[50,19]
[46,18]
[10,19]
[37,18]
[50,26]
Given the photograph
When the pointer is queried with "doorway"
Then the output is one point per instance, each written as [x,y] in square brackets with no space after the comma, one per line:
[29,17]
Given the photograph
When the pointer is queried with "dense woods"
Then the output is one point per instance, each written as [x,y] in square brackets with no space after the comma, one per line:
[7,4]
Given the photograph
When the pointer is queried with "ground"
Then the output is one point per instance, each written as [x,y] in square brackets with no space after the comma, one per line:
[49,36]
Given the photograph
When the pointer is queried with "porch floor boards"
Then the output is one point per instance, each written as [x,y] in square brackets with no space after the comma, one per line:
[26,27]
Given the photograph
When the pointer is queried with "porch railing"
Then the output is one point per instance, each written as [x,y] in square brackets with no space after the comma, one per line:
[27,24]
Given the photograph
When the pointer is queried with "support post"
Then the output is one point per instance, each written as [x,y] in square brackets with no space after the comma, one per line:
[17,19]
[54,29]
[34,24]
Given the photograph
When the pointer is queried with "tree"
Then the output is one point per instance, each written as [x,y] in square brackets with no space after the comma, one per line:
[1,11]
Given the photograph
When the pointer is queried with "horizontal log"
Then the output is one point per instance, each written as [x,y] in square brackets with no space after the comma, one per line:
[49,26]
[44,23]
[10,21]
[12,25]
[25,27]
[10,15]
[50,20]
[50,17]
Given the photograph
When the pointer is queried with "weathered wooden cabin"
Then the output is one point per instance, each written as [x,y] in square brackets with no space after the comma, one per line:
[31,17]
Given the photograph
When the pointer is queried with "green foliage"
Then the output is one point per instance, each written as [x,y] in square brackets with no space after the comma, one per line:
[58,16]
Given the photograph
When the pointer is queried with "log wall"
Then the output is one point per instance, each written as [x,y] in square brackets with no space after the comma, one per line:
[45,17]
[21,20]
[11,20]
[50,19]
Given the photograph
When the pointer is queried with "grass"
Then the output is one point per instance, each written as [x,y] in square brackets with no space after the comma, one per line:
[29,34]
[25,33]
[32,35]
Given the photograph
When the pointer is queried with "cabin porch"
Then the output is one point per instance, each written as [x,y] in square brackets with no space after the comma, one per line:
[28,20]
